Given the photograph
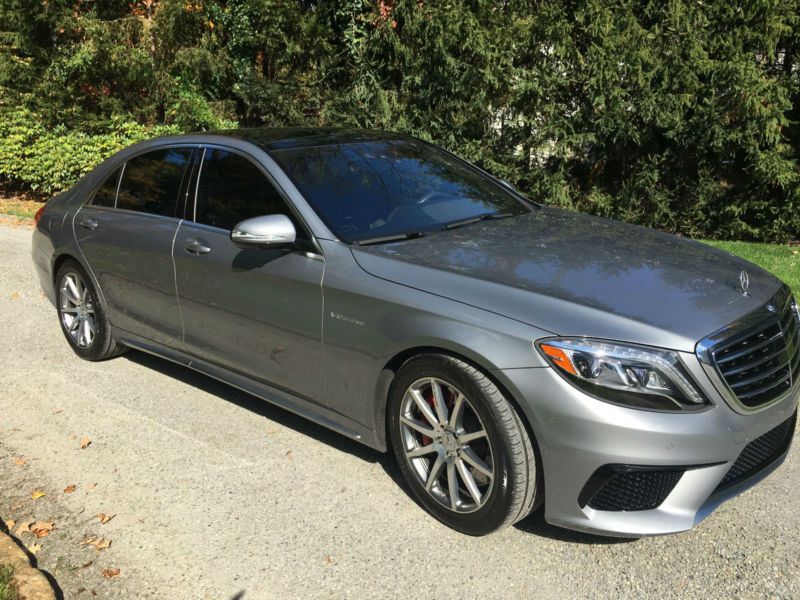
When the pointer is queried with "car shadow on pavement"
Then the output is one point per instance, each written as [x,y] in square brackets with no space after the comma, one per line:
[256,405]
[534,524]
[272,412]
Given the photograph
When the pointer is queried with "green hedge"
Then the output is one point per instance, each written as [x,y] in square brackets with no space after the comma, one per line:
[681,115]
[44,160]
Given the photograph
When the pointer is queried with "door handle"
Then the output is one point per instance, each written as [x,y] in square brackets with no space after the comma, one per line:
[88,223]
[196,246]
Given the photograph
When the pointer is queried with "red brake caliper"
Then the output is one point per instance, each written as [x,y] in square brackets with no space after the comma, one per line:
[429,399]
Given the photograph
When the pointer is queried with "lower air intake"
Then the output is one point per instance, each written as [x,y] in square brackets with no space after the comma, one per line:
[760,453]
[635,490]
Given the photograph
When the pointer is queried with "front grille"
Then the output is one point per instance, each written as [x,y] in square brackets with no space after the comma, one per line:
[635,490]
[760,453]
[766,363]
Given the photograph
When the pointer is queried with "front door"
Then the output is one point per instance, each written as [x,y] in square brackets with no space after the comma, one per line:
[254,311]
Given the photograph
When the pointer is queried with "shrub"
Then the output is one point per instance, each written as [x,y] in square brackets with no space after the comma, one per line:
[44,160]
[681,115]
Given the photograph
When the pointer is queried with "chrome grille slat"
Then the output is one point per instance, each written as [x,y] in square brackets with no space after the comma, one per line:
[791,340]
[761,376]
[751,365]
[762,363]
[761,390]
[748,350]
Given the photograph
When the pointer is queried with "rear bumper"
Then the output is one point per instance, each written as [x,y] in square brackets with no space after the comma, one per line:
[42,253]
[579,435]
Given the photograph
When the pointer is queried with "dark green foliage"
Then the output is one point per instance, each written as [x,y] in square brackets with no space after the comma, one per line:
[680,115]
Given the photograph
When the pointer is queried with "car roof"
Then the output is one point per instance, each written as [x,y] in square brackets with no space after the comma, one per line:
[286,138]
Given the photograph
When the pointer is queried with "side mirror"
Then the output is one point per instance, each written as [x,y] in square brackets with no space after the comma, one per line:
[268,230]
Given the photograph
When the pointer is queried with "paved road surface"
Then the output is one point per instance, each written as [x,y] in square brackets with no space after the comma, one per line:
[220,495]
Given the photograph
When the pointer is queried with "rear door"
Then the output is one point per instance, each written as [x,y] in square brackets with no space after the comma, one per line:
[256,311]
[126,233]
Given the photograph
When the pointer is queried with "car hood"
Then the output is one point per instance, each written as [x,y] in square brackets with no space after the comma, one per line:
[574,274]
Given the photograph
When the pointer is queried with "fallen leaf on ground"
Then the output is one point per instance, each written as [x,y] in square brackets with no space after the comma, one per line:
[99,543]
[329,560]
[19,461]
[33,548]
[110,573]
[69,489]
[104,518]
[10,524]
[41,528]
[85,442]
[90,486]
[289,455]
[37,494]
[24,527]
[83,566]
[58,410]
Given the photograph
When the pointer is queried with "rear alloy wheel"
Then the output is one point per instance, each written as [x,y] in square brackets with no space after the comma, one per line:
[461,445]
[77,310]
[83,319]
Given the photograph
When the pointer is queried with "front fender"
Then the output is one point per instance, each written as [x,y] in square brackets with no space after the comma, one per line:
[370,325]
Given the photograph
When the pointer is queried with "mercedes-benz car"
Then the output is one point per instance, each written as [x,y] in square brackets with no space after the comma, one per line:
[509,354]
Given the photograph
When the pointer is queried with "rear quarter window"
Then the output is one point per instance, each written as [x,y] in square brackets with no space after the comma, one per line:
[151,182]
[107,193]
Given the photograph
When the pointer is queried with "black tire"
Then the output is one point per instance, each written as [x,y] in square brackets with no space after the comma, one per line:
[516,487]
[102,346]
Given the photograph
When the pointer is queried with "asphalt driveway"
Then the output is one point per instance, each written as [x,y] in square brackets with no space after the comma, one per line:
[219,495]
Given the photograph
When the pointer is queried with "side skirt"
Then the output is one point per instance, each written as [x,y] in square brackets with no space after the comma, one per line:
[294,404]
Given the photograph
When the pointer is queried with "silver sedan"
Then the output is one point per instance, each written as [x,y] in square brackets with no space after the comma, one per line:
[510,355]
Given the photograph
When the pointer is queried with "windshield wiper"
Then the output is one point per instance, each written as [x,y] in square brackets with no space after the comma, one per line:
[478,219]
[389,238]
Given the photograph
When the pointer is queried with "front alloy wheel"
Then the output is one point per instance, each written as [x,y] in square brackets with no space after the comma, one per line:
[446,445]
[461,445]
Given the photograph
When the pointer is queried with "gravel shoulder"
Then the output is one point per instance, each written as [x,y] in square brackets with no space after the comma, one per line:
[220,495]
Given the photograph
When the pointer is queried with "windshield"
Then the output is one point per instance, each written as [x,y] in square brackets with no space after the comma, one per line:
[379,189]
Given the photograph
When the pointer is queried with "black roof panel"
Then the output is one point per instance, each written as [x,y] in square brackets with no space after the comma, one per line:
[286,138]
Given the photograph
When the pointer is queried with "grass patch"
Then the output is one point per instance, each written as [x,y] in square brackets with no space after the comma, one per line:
[20,206]
[781,260]
[8,590]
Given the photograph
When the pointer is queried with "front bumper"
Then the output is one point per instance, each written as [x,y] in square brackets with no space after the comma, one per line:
[577,435]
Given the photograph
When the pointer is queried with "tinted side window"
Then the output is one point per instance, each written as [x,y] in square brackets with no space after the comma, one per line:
[150,182]
[232,189]
[108,191]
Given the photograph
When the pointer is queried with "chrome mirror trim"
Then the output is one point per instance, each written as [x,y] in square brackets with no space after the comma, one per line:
[266,230]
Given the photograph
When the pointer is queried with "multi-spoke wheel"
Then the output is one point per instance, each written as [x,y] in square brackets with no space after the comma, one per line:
[445,442]
[461,445]
[77,310]
[82,317]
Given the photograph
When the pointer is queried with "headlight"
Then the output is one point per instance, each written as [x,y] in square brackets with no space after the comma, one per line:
[629,375]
